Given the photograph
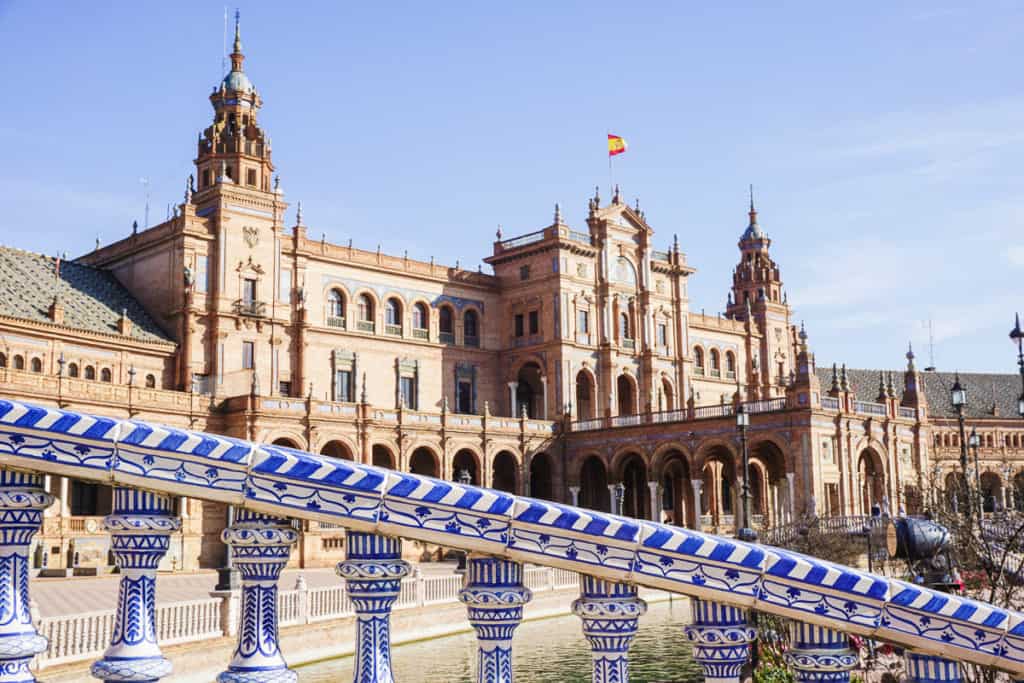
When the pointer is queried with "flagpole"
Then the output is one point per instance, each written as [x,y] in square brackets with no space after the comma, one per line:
[611,179]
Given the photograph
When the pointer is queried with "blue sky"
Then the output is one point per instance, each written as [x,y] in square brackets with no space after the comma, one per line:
[883,139]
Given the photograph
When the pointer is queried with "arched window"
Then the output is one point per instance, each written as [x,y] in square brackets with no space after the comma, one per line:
[716,369]
[393,316]
[470,333]
[365,313]
[730,365]
[336,308]
[3,360]
[420,320]
[37,365]
[72,369]
[90,372]
[105,375]
[624,331]
[19,362]
[698,360]
[446,325]
[150,382]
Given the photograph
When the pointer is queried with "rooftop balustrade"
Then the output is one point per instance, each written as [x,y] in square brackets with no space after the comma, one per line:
[148,464]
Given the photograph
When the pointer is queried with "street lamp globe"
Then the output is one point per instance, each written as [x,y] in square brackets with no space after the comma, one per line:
[974,440]
[957,394]
[742,418]
[1016,334]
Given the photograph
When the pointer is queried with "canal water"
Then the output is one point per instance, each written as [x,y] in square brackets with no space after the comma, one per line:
[545,651]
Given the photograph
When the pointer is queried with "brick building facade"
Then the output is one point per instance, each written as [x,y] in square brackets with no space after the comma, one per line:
[576,365]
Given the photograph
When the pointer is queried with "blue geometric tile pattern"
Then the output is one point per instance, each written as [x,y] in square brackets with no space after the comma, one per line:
[813,590]
[287,483]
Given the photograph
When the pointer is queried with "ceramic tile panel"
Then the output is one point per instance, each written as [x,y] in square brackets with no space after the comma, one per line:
[67,442]
[955,626]
[1012,647]
[697,564]
[446,513]
[594,543]
[283,480]
[187,463]
[820,592]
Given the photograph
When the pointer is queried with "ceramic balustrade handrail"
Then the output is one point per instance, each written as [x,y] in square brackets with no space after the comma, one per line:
[289,483]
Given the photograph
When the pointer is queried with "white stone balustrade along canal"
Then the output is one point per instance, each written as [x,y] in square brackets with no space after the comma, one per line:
[148,464]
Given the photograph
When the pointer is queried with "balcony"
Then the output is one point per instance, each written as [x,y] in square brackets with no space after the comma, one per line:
[629,344]
[393,330]
[698,370]
[251,309]
[472,340]
[336,321]
[446,337]
[421,333]
[829,403]
[365,326]
[583,338]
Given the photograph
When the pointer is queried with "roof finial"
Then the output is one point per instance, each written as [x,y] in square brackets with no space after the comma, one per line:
[558,214]
[753,211]
[616,199]
[597,196]
[238,33]
[835,378]
[675,243]
[498,232]
[298,214]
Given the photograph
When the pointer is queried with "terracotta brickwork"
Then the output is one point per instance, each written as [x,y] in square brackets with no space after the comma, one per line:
[577,365]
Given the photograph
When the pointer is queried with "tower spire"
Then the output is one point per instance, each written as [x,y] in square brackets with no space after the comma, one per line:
[236,51]
[753,211]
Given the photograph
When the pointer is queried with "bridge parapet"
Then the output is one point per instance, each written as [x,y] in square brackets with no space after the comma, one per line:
[374,503]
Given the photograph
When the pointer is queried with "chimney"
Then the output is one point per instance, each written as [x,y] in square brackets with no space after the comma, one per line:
[57,310]
[124,324]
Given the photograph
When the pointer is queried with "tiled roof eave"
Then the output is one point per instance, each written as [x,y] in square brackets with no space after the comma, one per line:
[165,346]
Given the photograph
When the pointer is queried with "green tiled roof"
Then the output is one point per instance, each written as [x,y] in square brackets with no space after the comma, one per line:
[93,298]
[988,394]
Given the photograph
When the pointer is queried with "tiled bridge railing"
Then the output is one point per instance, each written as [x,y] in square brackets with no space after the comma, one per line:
[149,464]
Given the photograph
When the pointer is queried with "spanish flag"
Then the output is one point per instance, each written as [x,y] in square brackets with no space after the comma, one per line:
[616,145]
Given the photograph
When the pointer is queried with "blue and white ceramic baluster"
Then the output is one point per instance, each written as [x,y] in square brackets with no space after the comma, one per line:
[260,546]
[140,533]
[611,614]
[819,654]
[373,572]
[922,668]
[22,501]
[721,637]
[494,595]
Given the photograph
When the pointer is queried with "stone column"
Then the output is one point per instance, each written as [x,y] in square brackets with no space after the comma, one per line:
[790,512]
[140,529]
[696,484]
[721,638]
[655,508]
[923,668]
[373,572]
[260,546]
[611,613]
[65,498]
[574,491]
[494,595]
[22,501]
[611,500]
[512,387]
[819,654]
[544,397]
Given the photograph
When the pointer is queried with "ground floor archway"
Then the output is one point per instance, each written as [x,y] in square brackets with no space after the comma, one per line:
[382,457]
[541,477]
[594,492]
[336,449]
[465,462]
[423,461]
[504,472]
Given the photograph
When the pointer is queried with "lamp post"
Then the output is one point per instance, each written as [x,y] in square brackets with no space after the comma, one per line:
[464,478]
[958,397]
[1017,336]
[746,533]
[974,441]
[620,498]
[60,382]
[1008,503]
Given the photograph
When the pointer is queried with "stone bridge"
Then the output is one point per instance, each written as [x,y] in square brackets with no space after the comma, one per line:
[150,464]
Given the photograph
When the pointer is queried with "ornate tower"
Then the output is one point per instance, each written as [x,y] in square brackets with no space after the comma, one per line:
[757,295]
[234,146]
